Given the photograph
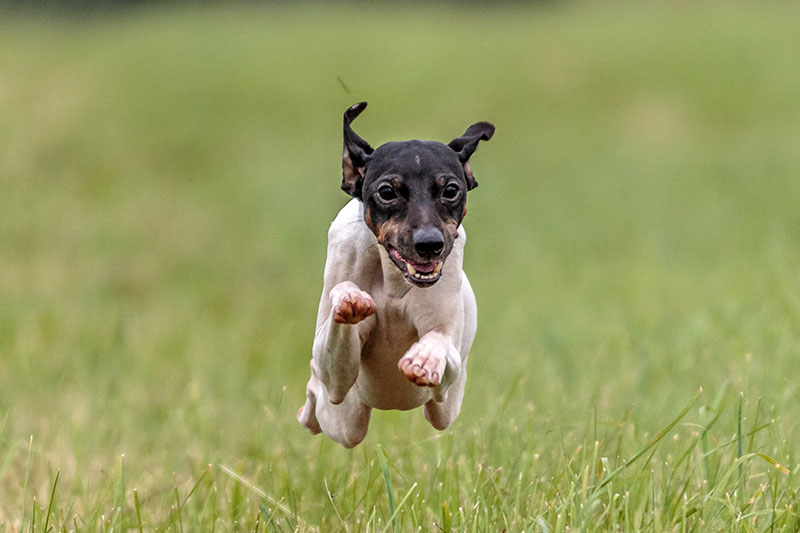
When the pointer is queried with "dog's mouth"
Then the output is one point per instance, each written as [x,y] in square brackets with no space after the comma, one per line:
[421,274]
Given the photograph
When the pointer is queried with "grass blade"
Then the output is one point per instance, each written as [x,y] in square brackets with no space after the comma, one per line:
[116,523]
[333,504]
[138,510]
[261,493]
[178,510]
[651,443]
[393,518]
[25,485]
[50,505]
[776,464]
[194,487]
[739,445]
[446,518]
[388,480]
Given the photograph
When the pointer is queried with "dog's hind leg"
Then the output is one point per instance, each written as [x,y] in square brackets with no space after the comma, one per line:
[346,422]
[307,414]
[441,414]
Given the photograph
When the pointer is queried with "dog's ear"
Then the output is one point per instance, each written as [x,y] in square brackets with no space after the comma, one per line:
[356,154]
[465,145]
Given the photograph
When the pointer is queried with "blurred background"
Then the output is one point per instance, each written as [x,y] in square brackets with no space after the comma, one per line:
[168,173]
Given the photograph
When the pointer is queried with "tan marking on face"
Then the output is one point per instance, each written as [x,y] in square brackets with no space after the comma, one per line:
[451,227]
[368,219]
[387,231]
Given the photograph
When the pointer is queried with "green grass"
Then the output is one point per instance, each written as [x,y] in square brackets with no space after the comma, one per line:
[167,177]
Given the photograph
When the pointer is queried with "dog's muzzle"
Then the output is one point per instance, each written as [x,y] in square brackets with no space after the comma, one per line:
[421,273]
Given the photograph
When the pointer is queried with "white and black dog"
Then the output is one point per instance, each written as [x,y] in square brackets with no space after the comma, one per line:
[397,315]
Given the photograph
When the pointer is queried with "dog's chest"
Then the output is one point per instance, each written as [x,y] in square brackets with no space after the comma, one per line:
[392,335]
[381,385]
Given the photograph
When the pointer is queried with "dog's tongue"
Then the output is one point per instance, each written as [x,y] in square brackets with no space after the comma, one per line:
[425,268]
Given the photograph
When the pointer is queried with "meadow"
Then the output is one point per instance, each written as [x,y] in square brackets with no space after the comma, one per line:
[167,177]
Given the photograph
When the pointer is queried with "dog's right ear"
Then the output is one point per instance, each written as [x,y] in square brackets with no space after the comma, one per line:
[356,154]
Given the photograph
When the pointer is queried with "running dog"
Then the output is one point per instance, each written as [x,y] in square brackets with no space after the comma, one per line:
[397,315]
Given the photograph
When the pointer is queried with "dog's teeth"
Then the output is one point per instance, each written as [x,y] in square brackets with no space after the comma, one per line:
[411,271]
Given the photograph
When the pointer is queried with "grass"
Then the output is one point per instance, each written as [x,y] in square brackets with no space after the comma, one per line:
[168,175]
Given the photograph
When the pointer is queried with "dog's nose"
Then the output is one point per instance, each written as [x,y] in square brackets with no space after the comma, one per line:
[428,241]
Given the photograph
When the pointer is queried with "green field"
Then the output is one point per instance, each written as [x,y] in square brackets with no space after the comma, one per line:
[167,177]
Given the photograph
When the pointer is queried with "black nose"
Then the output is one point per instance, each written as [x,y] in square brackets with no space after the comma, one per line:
[428,241]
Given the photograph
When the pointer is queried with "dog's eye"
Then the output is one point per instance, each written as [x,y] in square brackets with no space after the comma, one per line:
[387,193]
[450,192]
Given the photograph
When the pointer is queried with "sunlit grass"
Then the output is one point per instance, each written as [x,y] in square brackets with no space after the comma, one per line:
[167,176]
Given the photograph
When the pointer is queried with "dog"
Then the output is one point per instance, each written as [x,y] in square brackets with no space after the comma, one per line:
[397,315]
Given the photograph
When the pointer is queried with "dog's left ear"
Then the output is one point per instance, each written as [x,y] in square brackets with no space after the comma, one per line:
[356,154]
[465,145]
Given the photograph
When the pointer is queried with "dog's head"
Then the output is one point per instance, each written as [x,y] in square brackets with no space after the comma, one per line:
[414,194]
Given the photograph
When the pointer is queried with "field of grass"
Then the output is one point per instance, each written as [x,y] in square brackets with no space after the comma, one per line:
[167,176]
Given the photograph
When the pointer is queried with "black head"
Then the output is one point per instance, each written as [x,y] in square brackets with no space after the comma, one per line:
[414,194]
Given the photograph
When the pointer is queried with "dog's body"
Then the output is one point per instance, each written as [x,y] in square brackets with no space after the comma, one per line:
[396,321]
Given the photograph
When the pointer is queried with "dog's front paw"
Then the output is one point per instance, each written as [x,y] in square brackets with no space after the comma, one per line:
[351,305]
[424,363]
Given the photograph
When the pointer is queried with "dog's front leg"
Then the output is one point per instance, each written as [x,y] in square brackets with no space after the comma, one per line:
[432,361]
[338,342]
[330,405]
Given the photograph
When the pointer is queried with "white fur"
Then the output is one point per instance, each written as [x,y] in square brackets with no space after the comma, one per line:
[355,366]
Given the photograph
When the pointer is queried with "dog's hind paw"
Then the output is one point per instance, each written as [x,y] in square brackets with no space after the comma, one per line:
[351,305]
[424,363]
[305,415]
